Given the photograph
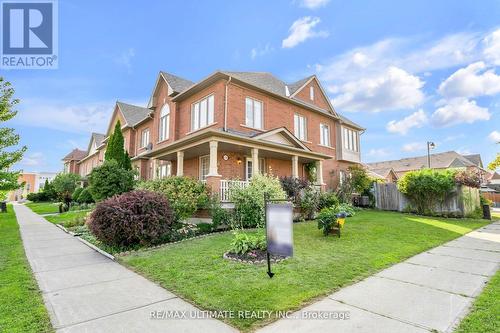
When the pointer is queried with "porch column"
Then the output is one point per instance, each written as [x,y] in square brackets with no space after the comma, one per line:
[255,161]
[295,166]
[319,174]
[154,163]
[213,177]
[212,170]
[180,163]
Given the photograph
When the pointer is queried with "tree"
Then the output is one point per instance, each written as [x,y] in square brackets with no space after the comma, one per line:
[359,178]
[64,185]
[110,179]
[116,151]
[495,164]
[49,191]
[8,138]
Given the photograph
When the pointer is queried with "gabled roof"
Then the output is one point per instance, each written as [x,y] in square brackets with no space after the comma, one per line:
[133,114]
[177,83]
[475,158]
[348,122]
[75,155]
[282,132]
[300,83]
[439,161]
[98,138]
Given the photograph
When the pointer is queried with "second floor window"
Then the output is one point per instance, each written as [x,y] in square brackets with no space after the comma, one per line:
[324,135]
[350,138]
[164,126]
[300,127]
[253,113]
[311,93]
[202,113]
[145,138]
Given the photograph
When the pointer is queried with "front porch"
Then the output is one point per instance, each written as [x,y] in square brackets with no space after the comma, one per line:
[223,160]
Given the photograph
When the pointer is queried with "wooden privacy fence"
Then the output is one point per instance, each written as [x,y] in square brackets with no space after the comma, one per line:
[462,201]
[495,197]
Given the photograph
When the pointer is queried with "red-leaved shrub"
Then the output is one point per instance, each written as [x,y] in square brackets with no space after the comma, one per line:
[137,217]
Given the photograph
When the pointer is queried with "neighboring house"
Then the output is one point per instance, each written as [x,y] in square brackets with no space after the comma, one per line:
[230,126]
[33,182]
[386,174]
[446,160]
[71,161]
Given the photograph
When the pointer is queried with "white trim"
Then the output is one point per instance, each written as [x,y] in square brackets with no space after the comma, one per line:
[314,77]
[287,133]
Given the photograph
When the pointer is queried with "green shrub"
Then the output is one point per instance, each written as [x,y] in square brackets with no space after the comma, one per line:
[469,178]
[309,202]
[249,201]
[76,194]
[85,197]
[347,208]
[110,179]
[220,216]
[483,200]
[425,188]
[293,187]
[185,194]
[327,217]
[327,199]
[64,185]
[243,242]
[37,197]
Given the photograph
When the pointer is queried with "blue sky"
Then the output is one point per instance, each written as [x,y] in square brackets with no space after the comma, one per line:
[408,71]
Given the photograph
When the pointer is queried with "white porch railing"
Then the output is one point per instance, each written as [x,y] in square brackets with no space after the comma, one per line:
[226,185]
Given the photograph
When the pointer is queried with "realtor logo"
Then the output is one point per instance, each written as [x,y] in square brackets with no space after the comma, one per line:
[29,34]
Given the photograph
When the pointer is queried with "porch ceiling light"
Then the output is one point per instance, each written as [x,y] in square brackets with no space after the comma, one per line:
[238,160]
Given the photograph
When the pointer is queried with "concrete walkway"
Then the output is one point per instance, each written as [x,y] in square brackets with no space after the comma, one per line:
[430,291]
[85,291]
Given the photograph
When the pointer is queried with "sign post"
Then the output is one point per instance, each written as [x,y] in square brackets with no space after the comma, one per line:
[279,229]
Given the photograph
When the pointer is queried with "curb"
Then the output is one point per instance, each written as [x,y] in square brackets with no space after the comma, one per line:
[92,246]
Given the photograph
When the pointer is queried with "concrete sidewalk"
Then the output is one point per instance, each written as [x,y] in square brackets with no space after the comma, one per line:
[86,292]
[430,291]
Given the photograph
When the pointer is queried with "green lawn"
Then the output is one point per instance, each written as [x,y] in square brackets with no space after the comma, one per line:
[372,240]
[68,218]
[21,304]
[485,313]
[44,207]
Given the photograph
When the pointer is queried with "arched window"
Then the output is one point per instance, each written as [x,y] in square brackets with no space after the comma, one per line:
[164,128]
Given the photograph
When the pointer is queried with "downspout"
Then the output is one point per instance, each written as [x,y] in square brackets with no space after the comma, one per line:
[225,104]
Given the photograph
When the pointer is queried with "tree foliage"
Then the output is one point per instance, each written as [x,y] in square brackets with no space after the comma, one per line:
[8,138]
[115,149]
[427,187]
[64,185]
[110,179]
[495,164]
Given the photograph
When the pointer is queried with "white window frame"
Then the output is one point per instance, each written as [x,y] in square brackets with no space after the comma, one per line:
[165,170]
[164,124]
[311,93]
[324,135]
[250,113]
[300,126]
[205,105]
[249,163]
[350,138]
[145,139]
[204,159]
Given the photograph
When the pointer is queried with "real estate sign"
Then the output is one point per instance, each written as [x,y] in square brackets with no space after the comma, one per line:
[279,228]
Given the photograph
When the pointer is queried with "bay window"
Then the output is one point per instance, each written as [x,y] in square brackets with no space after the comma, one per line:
[350,139]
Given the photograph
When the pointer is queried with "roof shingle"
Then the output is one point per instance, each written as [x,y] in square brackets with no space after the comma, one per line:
[133,114]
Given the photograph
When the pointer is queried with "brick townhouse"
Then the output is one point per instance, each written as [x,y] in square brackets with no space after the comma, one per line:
[229,126]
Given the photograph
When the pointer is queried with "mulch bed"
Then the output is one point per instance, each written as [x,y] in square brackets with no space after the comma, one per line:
[258,257]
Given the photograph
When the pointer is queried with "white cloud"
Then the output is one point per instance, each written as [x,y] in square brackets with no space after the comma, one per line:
[473,80]
[492,47]
[416,119]
[313,4]
[457,111]
[261,51]
[414,146]
[33,160]
[301,30]
[74,118]
[125,58]
[494,136]
[380,152]
[394,89]
[450,51]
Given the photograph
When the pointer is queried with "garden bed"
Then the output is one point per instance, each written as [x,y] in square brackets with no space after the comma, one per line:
[253,257]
